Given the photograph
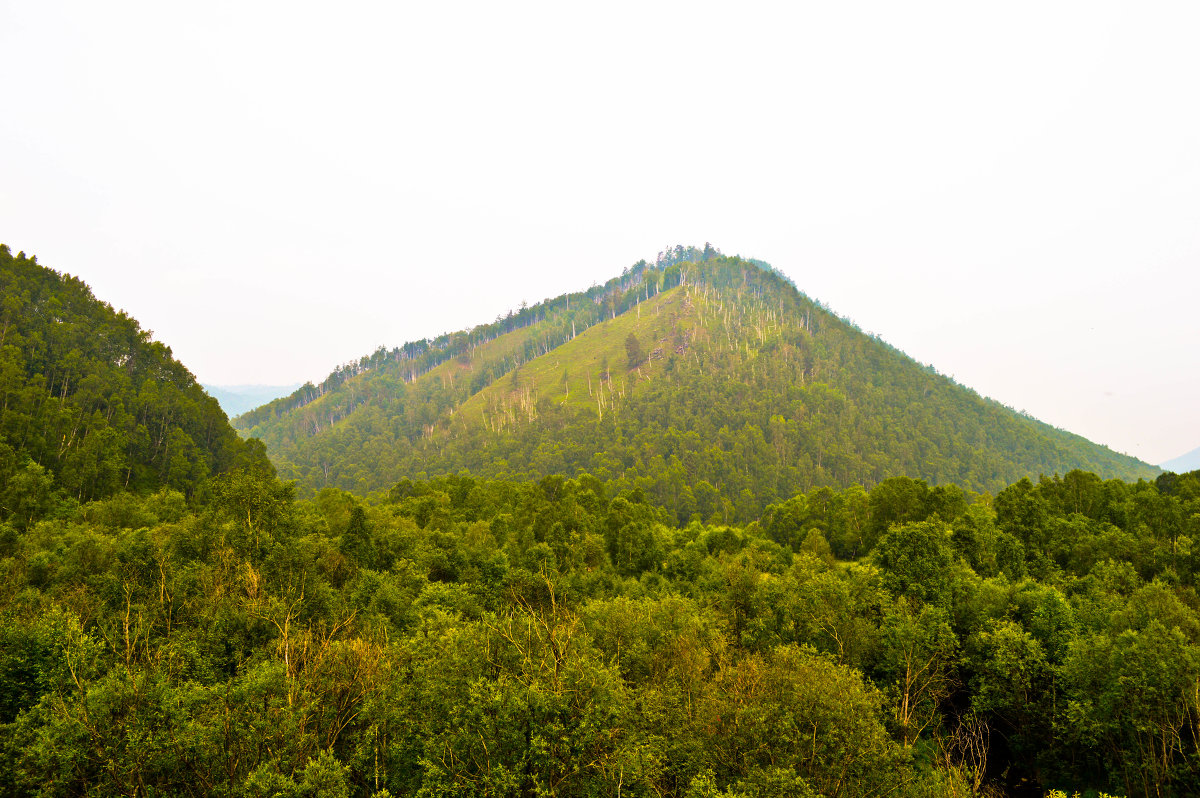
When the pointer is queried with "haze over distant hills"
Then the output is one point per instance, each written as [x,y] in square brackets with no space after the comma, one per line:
[1184,462]
[237,399]
[708,382]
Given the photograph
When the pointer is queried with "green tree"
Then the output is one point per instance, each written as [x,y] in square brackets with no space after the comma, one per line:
[1013,683]
[1134,695]
[27,496]
[917,560]
[823,721]
[634,356]
[918,654]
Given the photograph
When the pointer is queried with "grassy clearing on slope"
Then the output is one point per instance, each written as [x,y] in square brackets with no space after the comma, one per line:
[593,368]
[457,372]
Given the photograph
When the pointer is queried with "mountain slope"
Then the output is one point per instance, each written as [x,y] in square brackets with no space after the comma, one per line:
[714,386]
[90,404]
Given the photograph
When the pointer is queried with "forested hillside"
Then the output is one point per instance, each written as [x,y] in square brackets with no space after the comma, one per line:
[91,405]
[175,622]
[710,383]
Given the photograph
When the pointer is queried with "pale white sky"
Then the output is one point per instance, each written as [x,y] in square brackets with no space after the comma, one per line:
[1009,191]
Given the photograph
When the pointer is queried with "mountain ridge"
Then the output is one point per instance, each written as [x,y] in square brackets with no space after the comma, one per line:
[418,357]
[745,367]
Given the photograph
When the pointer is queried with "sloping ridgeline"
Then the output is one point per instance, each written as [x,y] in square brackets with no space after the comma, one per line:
[711,384]
[90,405]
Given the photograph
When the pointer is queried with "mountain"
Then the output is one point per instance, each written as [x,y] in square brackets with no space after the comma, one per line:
[91,404]
[557,637]
[1184,463]
[710,383]
[237,399]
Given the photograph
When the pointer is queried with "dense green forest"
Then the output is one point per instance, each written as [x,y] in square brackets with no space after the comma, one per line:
[472,637]
[712,385]
[692,610]
[91,405]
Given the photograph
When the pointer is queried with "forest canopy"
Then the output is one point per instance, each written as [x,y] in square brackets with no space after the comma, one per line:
[486,637]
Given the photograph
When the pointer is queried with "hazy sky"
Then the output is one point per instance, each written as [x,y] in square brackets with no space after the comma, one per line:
[1009,191]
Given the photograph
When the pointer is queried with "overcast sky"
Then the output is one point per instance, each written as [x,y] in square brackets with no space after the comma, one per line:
[1009,191]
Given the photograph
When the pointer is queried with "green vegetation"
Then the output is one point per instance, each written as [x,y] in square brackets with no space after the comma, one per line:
[713,386]
[91,405]
[480,637]
[708,615]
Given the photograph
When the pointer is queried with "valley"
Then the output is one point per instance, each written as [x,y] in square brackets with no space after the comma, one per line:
[688,533]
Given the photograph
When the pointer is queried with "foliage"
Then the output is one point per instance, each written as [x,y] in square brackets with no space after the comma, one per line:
[485,637]
[712,385]
[706,614]
[90,405]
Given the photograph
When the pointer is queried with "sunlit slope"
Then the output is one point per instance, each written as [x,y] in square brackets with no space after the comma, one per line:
[718,385]
[415,403]
[597,370]
[365,423]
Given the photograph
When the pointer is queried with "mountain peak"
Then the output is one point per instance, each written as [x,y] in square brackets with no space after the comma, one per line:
[714,371]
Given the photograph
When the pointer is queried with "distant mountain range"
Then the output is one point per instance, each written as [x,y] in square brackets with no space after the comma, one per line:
[237,399]
[1184,463]
[707,382]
